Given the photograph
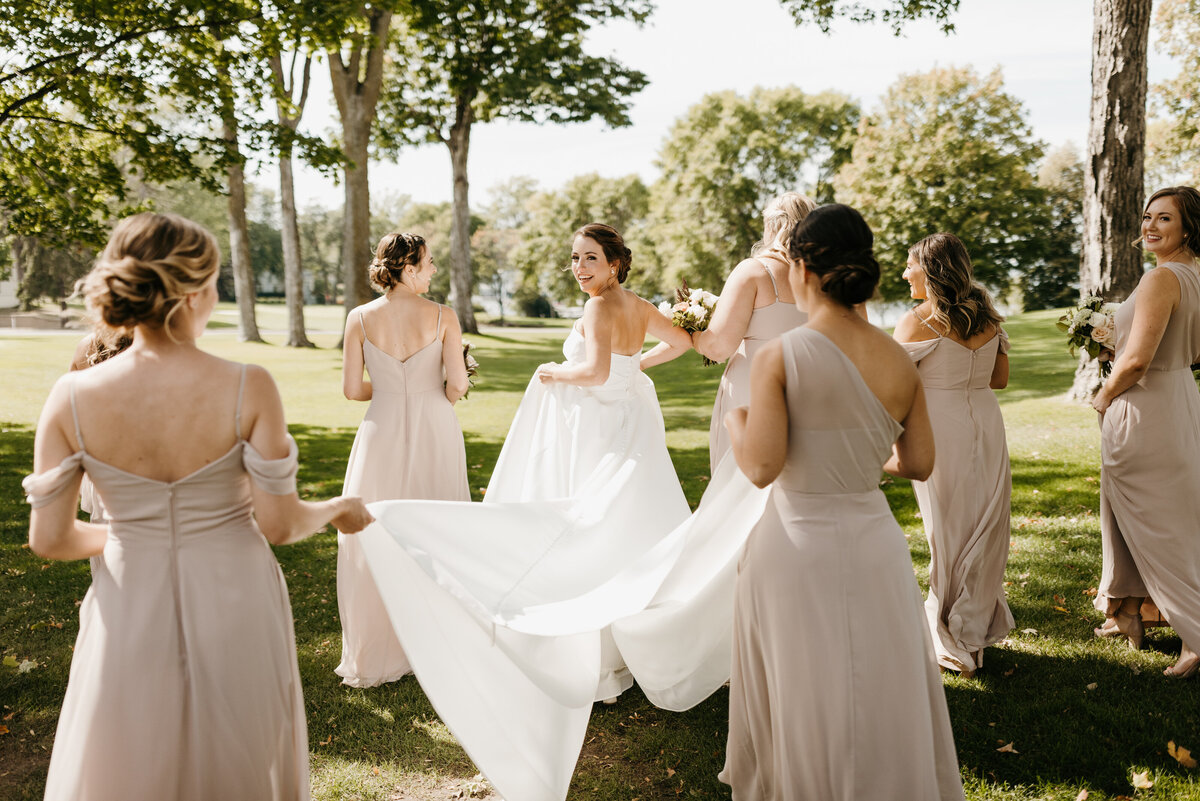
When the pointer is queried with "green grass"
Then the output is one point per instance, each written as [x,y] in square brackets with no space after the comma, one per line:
[1035,691]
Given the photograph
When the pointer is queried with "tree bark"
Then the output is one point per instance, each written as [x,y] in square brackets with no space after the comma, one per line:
[289,112]
[461,279]
[239,230]
[357,94]
[1114,168]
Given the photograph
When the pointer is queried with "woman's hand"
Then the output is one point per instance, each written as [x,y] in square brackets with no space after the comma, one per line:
[1101,402]
[352,516]
[547,373]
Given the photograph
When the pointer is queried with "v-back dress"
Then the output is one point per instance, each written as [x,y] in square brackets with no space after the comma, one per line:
[766,323]
[409,445]
[835,695]
[184,682]
[1150,472]
[965,503]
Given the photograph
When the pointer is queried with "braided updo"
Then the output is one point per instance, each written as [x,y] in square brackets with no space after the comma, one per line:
[780,216]
[835,244]
[612,244]
[150,263]
[393,253]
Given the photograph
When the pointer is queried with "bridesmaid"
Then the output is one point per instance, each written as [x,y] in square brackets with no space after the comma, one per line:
[409,444]
[184,681]
[1150,437]
[756,306]
[834,692]
[955,339]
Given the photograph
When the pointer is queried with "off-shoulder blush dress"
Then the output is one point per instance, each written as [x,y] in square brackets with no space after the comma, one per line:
[965,503]
[184,682]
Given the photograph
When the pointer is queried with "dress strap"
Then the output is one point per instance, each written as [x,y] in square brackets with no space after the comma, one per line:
[925,323]
[75,414]
[437,331]
[237,414]
[362,327]
[771,275]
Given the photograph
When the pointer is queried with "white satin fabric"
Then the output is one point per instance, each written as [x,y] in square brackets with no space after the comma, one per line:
[518,612]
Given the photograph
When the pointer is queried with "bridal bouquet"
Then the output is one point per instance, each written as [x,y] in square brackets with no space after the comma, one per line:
[692,311]
[1091,326]
[472,367]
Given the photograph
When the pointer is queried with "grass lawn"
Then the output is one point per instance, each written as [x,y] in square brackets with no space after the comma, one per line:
[1080,713]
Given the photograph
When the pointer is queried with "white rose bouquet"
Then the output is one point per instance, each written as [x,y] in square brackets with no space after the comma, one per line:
[692,311]
[1092,327]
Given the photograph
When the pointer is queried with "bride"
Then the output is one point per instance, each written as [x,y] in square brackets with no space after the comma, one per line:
[512,610]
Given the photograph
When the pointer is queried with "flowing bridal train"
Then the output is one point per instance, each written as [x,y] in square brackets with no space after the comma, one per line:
[517,613]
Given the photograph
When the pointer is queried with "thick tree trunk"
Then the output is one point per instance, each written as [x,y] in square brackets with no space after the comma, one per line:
[460,226]
[1114,169]
[293,271]
[357,93]
[239,229]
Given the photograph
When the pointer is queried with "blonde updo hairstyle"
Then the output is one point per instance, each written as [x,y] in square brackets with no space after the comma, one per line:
[151,262]
[393,253]
[780,217]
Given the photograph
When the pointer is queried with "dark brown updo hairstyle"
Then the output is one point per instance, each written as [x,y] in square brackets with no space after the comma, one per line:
[150,263]
[835,244]
[957,303]
[392,255]
[1187,200]
[611,243]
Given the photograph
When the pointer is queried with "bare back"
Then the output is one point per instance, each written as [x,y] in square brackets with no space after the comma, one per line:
[626,318]
[161,418]
[918,326]
[400,324]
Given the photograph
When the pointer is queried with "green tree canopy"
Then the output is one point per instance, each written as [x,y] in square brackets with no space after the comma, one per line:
[894,13]
[726,157]
[1053,281]
[948,150]
[543,257]
[1173,138]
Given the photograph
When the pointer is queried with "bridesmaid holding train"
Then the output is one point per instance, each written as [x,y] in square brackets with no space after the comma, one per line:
[409,444]
[955,339]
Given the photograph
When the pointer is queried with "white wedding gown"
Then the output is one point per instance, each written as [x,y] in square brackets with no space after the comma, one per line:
[518,612]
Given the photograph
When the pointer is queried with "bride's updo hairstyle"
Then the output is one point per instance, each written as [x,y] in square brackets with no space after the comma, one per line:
[835,243]
[392,255]
[957,303]
[780,218]
[150,263]
[611,243]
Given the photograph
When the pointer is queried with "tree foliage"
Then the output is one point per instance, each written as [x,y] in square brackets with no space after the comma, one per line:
[1053,280]
[1173,139]
[543,257]
[949,151]
[893,13]
[726,157]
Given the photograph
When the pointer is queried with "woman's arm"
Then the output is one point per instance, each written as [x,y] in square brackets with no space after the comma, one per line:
[912,452]
[597,325]
[731,318]
[674,342]
[999,378]
[55,532]
[758,433]
[452,358]
[354,385]
[285,519]
[1157,298]
[911,329]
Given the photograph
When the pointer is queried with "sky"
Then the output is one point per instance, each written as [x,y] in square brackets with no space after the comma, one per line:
[690,48]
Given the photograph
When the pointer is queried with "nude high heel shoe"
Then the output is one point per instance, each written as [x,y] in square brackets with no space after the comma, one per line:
[1186,667]
[1130,625]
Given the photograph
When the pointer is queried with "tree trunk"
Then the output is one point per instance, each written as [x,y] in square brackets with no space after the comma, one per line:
[461,279]
[1114,169]
[357,94]
[239,230]
[293,272]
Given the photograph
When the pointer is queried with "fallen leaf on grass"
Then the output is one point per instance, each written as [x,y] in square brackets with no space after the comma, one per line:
[1141,781]
[1029,631]
[671,772]
[326,741]
[1010,671]
[26,666]
[375,771]
[1008,749]
[1181,754]
[1062,609]
[1083,794]
[1058,599]
[1093,686]
[1090,592]
[3,729]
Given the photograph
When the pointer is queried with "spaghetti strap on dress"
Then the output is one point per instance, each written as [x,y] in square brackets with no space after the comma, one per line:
[184,682]
[409,445]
